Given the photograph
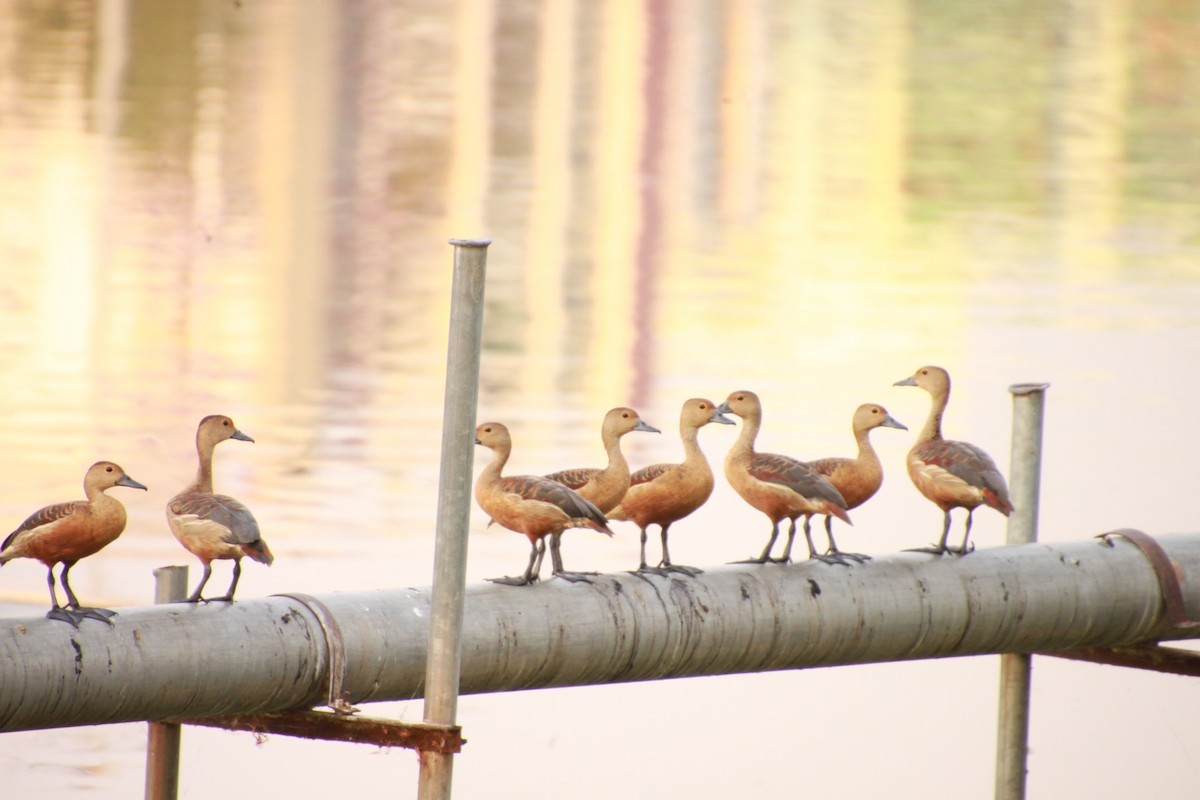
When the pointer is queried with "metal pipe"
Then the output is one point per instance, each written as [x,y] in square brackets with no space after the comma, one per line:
[454,507]
[163,738]
[1025,473]
[268,654]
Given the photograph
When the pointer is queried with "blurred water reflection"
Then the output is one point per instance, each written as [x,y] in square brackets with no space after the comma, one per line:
[243,207]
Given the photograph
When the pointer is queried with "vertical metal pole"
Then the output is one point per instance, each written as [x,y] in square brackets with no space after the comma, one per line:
[162,741]
[454,507]
[1025,473]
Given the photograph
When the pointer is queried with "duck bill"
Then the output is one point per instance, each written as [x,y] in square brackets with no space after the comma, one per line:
[125,480]
[240,436]
[643,426]
[911,380]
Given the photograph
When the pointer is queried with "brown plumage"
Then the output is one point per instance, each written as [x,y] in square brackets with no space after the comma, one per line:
[779,486]
[66,532]
[859,478]
[214,526]
[528,504]
[663,494]
[604,487]
[951,474]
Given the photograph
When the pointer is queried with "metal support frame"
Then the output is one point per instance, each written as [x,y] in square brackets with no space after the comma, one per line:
[444,655]
[163,739]
[1012,738]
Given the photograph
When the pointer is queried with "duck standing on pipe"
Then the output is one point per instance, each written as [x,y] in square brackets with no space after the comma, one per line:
[63,533]
[951,474]
[779,486]
[858,478]
[528,504]
[214,526]
[605,487]
[663,494]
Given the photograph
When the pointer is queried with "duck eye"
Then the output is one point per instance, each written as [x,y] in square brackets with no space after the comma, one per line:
[108,469]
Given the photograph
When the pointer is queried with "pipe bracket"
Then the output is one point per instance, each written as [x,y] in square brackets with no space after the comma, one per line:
[338,697]
[1164,570]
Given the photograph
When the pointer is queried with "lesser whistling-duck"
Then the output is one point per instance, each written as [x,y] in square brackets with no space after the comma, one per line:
[663,494]
[214,526]
[951,474]
[528,504]
[779,486]
[66,532]
[604,487]
[858,479]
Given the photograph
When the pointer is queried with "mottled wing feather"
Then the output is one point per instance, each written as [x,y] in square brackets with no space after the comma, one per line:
[44,516]
[574,478]
[647,474]
[531,487]
[223,510]
[797,476]
[969,464]
[828,466]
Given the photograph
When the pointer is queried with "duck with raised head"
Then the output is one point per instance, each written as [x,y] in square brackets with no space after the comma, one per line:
[64,533]
[603,486]
[214,526]
[534,506]
[951,474]
[663,494]
[858,478]
[781,487]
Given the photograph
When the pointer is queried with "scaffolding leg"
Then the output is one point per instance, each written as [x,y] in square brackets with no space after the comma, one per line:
[163,738]
[1012,739]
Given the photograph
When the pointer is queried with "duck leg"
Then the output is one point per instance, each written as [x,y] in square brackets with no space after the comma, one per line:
[56,611]
[833,548]
[812,550]
[962,551]
[195,597]
[237,574]
[556,561]
[666,564]
[787,548]
[531,571]
[82,612]
[766,553]
[940,548]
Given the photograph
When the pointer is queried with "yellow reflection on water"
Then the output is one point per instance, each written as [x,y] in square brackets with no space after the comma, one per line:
[244,208]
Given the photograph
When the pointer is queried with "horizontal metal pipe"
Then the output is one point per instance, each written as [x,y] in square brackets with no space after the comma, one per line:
[266,655]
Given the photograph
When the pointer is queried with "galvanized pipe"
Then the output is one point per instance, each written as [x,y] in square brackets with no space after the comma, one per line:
[268,654]
[1025,475]
[163,738]
[454,506]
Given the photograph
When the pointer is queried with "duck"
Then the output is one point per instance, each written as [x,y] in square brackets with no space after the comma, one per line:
[949,473]
[214,526]
[663,494]
[780,486]
[604,487]
[859,478]
[63,533]
[529,504]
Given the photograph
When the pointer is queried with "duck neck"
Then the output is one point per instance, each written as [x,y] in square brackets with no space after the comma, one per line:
[743,446]
[690,435]
[491,472]
[933,424]
[866,453]
[203,481]
[95,495]
[616,459]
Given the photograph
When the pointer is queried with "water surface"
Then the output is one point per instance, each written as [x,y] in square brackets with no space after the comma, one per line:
[244,208]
